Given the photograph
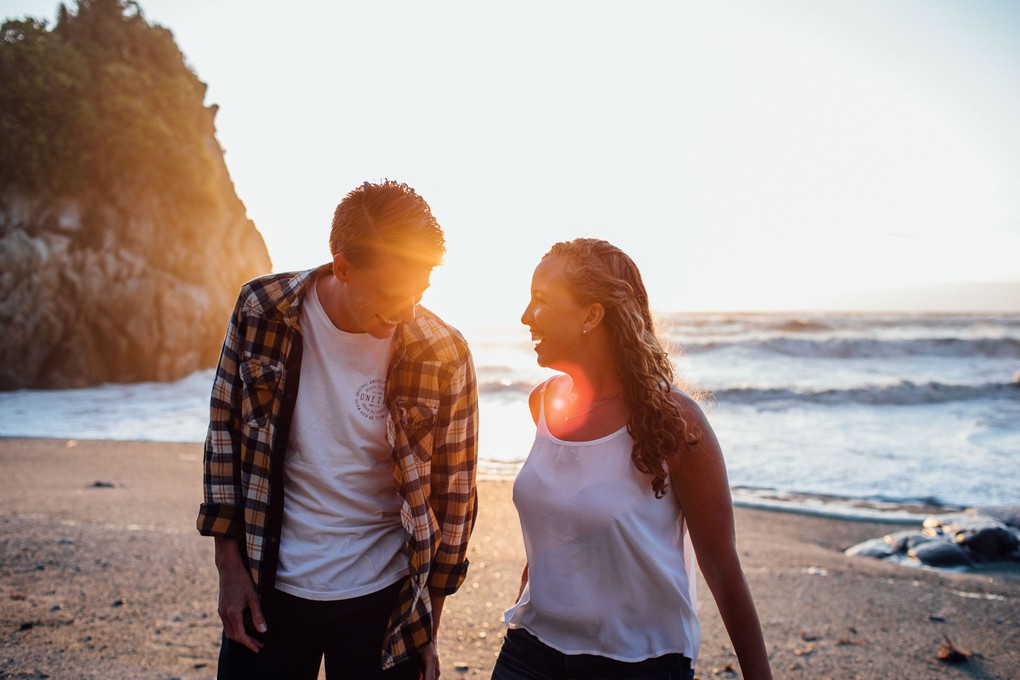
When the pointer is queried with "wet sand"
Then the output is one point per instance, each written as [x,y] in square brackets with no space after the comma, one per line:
[102,575]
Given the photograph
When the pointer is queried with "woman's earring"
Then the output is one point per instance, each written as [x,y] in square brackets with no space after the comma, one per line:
[584,331]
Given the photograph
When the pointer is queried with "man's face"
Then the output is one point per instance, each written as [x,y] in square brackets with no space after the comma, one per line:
[375,298]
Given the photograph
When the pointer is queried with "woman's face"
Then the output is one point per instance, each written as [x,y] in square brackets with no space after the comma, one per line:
[554,317]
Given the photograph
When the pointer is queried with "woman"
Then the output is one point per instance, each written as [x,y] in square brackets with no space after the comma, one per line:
[624,476]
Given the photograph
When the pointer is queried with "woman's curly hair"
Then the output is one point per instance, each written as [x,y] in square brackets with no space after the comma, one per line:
[598,271]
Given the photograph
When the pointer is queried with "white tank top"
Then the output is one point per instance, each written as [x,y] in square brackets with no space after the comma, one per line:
[610,567]
[341,535]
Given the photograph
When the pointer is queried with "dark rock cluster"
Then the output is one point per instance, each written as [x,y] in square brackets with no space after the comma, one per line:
[964,539]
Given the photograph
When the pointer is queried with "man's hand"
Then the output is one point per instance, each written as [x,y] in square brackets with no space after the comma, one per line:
[237,594]
[429,658]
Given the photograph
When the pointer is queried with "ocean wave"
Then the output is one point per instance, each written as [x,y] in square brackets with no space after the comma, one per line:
[868,348]
[506,386]
[903,393]
[732,324]
[870,508]
[801,326]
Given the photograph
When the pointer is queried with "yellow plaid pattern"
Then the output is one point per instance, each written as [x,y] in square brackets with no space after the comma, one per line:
[432,426]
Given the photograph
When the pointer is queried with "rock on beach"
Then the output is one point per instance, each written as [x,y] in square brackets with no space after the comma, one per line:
[975,537]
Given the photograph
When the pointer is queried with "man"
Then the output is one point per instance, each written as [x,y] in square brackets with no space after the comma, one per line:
[340,460]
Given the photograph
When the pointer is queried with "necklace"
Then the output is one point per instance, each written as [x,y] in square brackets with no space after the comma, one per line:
[566,413]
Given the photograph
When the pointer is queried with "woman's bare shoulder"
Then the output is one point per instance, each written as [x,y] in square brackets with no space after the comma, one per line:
[535,398]
[690,408]
[702,436]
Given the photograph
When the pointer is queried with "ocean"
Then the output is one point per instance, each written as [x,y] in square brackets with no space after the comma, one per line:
[859,413]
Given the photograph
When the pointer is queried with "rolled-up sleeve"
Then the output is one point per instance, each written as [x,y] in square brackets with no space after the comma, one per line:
[453,495]
[221,513]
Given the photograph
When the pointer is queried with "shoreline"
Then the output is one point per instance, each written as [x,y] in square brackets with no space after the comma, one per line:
[812,504]
[104,576]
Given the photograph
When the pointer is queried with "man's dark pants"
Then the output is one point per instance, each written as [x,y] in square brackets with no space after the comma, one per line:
[348,633]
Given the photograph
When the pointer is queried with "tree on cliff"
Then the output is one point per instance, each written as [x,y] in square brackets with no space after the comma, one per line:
[122,240]
[103,103]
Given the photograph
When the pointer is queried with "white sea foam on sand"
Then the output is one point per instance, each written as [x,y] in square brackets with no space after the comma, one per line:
[882,408]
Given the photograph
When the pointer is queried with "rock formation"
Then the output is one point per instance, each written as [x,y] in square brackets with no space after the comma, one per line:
[123,243]
[146,299]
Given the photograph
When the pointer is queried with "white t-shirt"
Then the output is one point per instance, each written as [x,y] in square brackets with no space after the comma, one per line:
[341,536]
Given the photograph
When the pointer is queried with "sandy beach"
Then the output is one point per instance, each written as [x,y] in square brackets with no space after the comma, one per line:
[102,575]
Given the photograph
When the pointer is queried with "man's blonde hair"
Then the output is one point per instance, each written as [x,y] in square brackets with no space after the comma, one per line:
[386,218]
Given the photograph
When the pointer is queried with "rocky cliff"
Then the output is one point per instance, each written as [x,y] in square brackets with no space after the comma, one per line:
[122,240]
[92,293]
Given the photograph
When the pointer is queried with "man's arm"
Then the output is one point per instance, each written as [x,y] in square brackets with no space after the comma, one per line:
[437,612]
[453,496]
[237,594]
[220,514]
[429,655]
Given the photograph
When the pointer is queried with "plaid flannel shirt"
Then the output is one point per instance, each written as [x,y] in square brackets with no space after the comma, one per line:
[432,427]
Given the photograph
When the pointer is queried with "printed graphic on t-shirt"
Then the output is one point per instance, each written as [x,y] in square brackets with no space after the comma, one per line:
[370,399]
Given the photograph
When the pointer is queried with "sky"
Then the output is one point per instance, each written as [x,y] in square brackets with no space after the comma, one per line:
[779,155]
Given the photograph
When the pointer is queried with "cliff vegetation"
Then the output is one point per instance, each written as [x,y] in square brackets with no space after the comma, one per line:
[122,240]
